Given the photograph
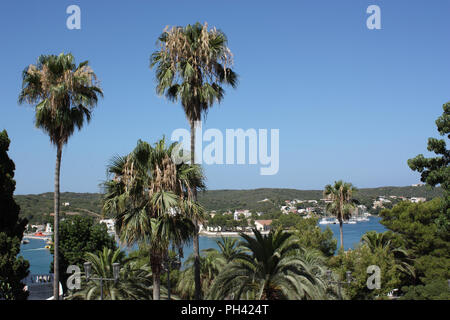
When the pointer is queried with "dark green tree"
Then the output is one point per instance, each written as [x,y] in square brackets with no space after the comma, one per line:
[357,261]
[313,237]
[78,236]
[287,221]
[13,269]
[412,224]
[435,171]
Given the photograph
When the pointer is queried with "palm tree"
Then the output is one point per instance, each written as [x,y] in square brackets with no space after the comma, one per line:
[191,67]
[211,262]
[133,284]
[65,95]
[382,242]
[229,248]
[342,203]
[276,268]
[150,197]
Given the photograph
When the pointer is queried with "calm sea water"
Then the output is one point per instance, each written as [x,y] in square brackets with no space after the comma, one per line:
[40,258]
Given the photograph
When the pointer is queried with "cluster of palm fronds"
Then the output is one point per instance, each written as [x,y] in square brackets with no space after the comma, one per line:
[150,197]
[381,242]
[64,93]
[134,283]
[262,267]
[191,65]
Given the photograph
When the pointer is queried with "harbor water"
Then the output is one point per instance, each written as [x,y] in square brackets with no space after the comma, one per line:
[40,258]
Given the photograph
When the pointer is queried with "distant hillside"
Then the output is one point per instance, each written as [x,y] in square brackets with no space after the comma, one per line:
[38,207]
[250,199]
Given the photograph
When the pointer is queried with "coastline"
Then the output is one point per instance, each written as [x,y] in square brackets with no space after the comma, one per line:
[45,238]
[40,259]
[219,234]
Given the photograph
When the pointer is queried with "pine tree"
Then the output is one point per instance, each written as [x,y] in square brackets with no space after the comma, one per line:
[13,269]
[436,171]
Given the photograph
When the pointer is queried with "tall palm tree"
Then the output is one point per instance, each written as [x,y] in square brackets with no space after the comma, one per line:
[191,66]
[276,268]
[64,95]
[342,204]
[149,196]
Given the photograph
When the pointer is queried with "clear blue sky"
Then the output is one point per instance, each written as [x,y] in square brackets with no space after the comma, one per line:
[350,103]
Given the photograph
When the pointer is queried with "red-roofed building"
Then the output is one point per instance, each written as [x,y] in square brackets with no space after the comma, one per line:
[263,225]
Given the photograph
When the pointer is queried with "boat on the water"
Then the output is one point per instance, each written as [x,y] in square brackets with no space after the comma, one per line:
[328,221]
[25,241]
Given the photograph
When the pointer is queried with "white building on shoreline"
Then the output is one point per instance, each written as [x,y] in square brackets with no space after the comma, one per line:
[109,224]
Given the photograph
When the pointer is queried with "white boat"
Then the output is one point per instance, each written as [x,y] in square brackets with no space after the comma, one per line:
[325,221]
[328,221]
[362,219]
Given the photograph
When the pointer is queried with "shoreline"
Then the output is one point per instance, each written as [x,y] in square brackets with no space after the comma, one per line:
[45,238]
[219,234]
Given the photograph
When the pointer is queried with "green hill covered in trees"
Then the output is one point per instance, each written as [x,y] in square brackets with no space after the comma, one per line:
[36,208]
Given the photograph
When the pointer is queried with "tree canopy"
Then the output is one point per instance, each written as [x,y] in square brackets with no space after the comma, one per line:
[414,229]
[12,268]
[78,236]
[435,170]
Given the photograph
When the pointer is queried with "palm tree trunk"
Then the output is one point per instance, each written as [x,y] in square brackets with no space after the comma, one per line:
[196,240]
[155,264]
[341,216]
[156,285]
[56,196]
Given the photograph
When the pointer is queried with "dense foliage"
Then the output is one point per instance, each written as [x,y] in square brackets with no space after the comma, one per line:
[436,171]
[78,236]
[134,283]
[310,235]
[357,261]
[308,232]
[37,207]
[272,267]
[415,230]
[150,198]
[12,268]
[375,249]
